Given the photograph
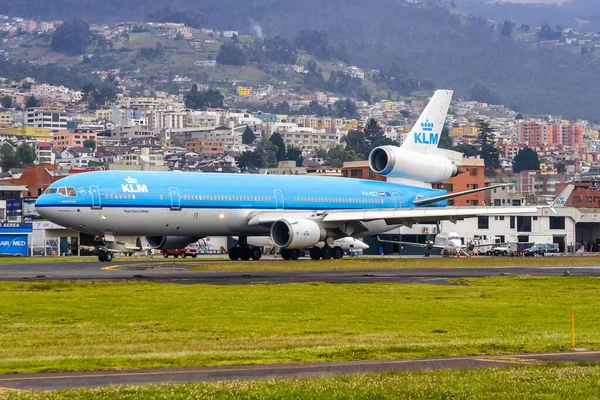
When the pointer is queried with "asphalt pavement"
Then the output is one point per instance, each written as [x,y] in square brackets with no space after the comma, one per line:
[179,272]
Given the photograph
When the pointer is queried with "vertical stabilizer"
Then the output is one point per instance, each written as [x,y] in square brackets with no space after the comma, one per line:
[562,198]
[427,130]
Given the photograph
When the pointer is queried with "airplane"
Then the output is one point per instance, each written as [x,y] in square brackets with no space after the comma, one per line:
[451,244]
[127,245]
[173,209]
[347,243]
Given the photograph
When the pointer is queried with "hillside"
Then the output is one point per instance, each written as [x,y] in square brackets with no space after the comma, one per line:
[429,41]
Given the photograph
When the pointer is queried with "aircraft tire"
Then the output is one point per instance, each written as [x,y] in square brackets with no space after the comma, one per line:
[315,253]
[285,254]
[101,257]
[326,253]
[337,253]
[256,253]
[295,254]
[234,254]
[108,256]
[245,253]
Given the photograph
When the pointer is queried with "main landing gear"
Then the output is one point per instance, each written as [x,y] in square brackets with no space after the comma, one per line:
[104,256]
[244,252]
[326,253]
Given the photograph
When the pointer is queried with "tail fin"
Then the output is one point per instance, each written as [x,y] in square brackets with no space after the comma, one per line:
[562,198]
[427,130]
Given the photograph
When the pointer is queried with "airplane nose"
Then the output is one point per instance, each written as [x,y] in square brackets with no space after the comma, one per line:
[43,207]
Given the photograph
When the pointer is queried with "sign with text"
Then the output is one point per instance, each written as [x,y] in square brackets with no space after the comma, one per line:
[15,245]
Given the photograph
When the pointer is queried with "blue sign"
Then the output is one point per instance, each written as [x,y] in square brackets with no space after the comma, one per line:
[14,245]
[15,227]
[13,204]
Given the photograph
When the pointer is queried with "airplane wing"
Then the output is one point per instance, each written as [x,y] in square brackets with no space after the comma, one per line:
[410,216]
[432,246]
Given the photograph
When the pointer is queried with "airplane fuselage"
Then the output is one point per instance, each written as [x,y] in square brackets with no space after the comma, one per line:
[203,204]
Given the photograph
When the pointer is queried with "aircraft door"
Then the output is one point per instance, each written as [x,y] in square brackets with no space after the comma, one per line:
[96,202]
[279,202]
[397,202]
[175,200]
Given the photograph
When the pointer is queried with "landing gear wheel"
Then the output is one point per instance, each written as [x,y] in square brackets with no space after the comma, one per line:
[234,254]
[102,256]
[245,253]
[108,256]
[165,254]
[337,253]
[256,253]
[326,253]
[285,254]
[315,253]
[295,254]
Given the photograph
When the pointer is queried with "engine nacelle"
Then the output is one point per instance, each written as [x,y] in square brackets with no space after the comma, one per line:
[403,163]
[169,242]
[297,234]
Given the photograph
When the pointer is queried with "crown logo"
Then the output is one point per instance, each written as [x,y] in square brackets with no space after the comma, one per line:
[427,126]
[130,180]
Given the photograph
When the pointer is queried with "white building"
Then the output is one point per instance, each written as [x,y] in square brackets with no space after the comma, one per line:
[56,120]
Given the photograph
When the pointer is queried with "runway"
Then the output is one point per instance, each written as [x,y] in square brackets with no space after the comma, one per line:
[66,380]
[159,271]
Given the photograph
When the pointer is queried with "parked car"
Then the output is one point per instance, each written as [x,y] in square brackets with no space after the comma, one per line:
[185,252]
[540,249]
[501,249]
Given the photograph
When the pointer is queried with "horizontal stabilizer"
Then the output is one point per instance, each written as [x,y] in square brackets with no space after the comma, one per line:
[432,200]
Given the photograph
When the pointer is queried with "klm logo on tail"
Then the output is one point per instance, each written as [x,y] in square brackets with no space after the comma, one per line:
[427,136]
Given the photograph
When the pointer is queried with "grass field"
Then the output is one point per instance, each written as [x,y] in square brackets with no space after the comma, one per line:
[564,382]
[83,326]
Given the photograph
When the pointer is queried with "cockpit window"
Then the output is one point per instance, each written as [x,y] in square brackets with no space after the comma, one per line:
[67,191]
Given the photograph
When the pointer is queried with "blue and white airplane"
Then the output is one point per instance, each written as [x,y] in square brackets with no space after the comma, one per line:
[173,209]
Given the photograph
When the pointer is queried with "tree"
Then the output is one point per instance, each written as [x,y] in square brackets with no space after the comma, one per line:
[197,100]
[6,102]
[72,37]
[31,102]
[339,154]
[90,144]
[483,94]
[507,28]
[487,142]
[294,154]
[355,141]
[168,14]
[547,33]
[230,54]
[248,136]
[278,142]
[445,139]
[374,137]
[98,98]
[8,158]
[519,116]
[263,156]
[526,160]
[561,168]
[25,154]
[468,150]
